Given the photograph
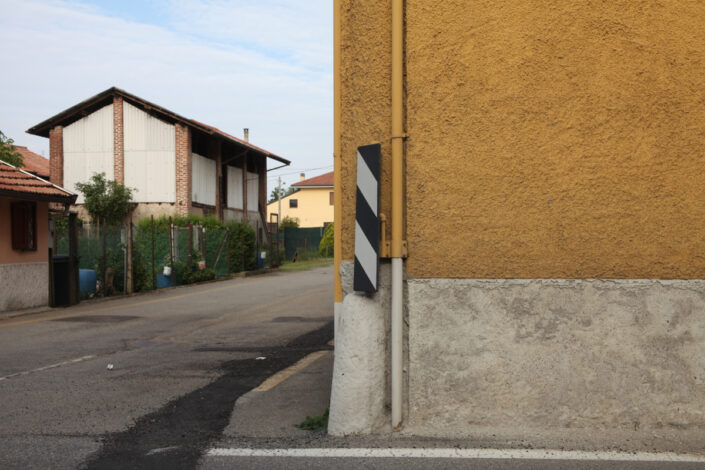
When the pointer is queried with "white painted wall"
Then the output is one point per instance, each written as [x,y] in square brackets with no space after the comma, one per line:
[88,148]
[203,180]
[150,156]
[235,187]
[252,191]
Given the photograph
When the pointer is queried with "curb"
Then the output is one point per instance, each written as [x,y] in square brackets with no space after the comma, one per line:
[19,313]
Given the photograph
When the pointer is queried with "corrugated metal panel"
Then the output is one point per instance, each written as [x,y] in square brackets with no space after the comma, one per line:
[88,148]
[234,187]
[150,158]
[203,180]
[252,191]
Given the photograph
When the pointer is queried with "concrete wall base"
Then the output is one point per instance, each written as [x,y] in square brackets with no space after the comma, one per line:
[574,363]
[568,357]
[24,285]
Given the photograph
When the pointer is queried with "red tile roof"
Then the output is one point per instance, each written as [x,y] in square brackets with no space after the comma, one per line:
[34,163]
[19,184]
[324,180]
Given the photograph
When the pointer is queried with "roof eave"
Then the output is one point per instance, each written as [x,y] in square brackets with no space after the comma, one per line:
[42,129]
[28,196]
[316,186]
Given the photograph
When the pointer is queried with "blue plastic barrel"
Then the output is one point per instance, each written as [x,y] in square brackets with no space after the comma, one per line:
[260,263]
[87,279]
[163,281]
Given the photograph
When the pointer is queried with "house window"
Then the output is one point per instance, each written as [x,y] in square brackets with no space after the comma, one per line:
[293,203]
[332,200]
[24,226]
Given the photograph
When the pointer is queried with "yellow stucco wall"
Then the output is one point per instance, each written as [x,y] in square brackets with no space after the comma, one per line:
[314,207]
[546,139]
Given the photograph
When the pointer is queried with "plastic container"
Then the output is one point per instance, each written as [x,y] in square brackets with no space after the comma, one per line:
[163,281]
[87,280]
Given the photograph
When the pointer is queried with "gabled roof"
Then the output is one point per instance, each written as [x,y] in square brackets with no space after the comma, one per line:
[33,162]
[74,113]
[19,184]
[325,180]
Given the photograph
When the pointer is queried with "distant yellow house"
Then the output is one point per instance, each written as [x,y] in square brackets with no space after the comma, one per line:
[311,205]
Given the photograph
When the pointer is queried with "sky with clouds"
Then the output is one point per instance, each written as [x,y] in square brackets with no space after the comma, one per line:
[265,64]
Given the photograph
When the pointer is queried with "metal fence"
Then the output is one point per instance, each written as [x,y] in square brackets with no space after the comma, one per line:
[150,256]
[302,240]
[102,258]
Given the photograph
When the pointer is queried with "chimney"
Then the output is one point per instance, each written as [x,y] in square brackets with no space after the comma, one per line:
[246,131]
[302,177]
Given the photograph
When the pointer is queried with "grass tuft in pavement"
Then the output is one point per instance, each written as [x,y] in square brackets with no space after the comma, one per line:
[317,423]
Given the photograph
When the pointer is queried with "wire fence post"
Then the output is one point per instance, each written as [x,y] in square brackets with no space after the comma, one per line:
[154,274]
[104,274]
[205,252]
[171,251]
[129,278]
[190,248]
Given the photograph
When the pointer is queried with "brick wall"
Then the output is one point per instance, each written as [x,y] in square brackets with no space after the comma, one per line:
[56,155]
[118,141]
[183,169]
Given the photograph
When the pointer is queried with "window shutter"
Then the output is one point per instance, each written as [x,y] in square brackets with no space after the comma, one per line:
[18,226]
[24,226]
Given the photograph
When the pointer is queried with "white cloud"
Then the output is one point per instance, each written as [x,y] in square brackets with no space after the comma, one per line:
[297,30]
[278,82]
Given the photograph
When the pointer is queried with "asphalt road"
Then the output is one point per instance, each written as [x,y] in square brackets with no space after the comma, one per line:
[180,360]
[111,384]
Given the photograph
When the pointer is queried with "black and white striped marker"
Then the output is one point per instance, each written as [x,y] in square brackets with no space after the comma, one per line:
[367,218]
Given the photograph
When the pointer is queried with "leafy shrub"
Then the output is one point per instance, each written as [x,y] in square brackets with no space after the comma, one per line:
[288,222]
[161,224]
[241,253]
[198,276]
[325,248]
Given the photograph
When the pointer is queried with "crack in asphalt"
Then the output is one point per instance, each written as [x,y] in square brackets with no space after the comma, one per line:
[185,427]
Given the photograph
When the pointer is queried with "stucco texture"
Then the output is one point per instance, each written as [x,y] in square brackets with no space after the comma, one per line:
[24,285]
[491,357]
[314,207]
[547,139]
[366,115]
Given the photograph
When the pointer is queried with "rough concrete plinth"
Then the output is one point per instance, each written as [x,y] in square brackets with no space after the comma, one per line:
[530,357]
[24,285]
[360,373]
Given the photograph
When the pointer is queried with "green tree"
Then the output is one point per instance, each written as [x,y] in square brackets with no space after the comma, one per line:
[284,193]
[8,152]
[107,201]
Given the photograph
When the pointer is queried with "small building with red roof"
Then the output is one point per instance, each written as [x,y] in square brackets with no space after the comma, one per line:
[24,236]
[312,203]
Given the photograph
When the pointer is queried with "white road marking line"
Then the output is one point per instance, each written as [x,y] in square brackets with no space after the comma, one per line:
[282,375]
[161,450]
[490,454]
[52,366]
